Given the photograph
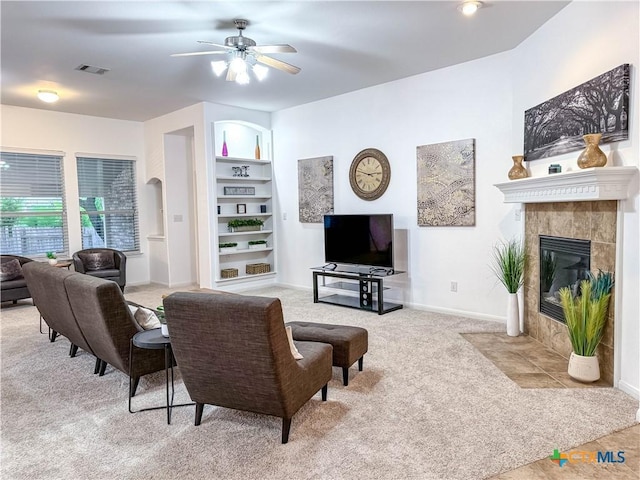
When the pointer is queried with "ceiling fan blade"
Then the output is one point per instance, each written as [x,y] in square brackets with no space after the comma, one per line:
[216,45]
[191,54]
[231,75]
[279,64]
[279,48]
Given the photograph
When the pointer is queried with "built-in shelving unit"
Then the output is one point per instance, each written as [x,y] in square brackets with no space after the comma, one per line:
[232,173]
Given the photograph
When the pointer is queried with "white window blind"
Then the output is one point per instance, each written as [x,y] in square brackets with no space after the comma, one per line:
[32,208]
[108,203]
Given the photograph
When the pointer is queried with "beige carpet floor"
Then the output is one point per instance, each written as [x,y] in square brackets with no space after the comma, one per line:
[428,405]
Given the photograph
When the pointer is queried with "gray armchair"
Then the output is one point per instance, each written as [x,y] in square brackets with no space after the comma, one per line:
[104,263]
[232,351]
[13,285]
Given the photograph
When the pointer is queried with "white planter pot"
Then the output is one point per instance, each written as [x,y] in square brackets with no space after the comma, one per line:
[513,316]
[584,369]
[53,261]
[260,246]
[228,250]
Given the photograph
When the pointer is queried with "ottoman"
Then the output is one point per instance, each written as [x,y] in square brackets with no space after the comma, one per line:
[349,343]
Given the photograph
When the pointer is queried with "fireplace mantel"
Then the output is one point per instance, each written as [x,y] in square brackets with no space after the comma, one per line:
[590,184]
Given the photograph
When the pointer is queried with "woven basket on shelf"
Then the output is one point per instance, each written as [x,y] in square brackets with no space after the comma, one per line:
[254,268]
[229,272]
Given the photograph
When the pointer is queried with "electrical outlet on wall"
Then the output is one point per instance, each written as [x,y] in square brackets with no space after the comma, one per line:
[454,286]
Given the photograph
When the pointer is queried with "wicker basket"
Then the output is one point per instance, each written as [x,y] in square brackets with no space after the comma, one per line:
[254,268]
[229,272]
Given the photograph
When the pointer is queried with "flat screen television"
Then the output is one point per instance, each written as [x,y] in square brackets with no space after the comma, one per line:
[359,239]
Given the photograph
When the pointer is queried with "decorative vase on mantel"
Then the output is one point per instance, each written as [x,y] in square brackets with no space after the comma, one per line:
[592,156]
[517,171]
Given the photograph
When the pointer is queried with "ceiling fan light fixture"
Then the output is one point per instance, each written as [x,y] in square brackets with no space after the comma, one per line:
[469,7]
[48,96]
[238,65]
[242,78]
[260,71]
[219,67]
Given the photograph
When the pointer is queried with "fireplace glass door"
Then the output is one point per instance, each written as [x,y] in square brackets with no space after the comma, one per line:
[564,262]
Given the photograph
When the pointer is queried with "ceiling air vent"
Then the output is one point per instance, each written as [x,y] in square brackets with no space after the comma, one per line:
[92,69]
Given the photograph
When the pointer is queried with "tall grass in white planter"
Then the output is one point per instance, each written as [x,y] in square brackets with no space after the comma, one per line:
[586,316]
[508,263]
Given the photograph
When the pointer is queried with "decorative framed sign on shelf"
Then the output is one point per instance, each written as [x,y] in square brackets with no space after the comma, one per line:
[239,190]
[241,208]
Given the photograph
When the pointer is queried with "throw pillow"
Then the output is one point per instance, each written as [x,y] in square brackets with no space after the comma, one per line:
[97,261]
[146,319]
[10,270]
[294,350]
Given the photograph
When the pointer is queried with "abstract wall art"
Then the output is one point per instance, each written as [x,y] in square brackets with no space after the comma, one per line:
[446,184]
[600,105]
[315,189]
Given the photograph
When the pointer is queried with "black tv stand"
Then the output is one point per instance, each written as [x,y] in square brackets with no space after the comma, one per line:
[367,282]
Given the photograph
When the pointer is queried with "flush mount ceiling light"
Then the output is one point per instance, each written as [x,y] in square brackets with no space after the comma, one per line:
[243,55]
[470,7]
[48,96]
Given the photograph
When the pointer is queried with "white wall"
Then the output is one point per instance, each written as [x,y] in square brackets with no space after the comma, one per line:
[483,99]
[70,133]
[582,41]
[471,100]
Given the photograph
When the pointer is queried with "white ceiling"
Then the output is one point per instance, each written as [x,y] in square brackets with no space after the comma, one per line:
[342,46]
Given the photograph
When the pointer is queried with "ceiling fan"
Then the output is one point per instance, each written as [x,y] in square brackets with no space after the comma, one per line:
[243,54]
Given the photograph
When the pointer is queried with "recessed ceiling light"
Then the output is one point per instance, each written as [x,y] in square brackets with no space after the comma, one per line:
[48,96]
[470,7]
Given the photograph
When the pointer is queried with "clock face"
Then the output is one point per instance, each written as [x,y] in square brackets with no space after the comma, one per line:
[370,174]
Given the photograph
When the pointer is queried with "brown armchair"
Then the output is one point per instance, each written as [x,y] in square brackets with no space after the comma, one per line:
[232,351]
[46,284]
[14,287]
[106,321]
[104,263]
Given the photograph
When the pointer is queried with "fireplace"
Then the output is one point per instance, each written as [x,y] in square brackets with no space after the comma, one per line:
[564,262]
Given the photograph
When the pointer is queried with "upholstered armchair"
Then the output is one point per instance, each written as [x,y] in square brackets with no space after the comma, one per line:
[46,284]
[13,286]
[104,263]
[233,351]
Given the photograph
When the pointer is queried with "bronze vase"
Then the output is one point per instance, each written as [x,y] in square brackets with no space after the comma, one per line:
[517,171]
[592,156]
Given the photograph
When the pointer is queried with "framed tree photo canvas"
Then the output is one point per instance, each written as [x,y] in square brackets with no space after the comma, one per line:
[600,105]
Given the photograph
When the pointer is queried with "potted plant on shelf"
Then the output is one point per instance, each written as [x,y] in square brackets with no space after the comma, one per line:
[509,261]
[227,247]
[53,259]
[586,316]
[257,244]
[245,224]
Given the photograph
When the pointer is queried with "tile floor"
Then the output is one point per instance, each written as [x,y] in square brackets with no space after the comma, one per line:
[531,365]
[526,361]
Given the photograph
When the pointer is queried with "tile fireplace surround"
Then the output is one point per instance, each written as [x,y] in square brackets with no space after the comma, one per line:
[594,221]
[579,204]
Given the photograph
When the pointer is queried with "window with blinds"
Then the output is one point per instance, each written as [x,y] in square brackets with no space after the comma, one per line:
[32,207]
[108,204]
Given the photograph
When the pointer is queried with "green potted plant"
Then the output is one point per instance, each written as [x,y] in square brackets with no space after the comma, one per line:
[508,263]
[257,244]
[53,259]
[586,316]
[245,224]
[547,271]
[227,247]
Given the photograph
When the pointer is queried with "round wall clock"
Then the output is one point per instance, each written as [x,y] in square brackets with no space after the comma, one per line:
[370,174]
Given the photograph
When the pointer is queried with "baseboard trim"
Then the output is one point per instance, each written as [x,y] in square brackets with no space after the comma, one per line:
[630,389]
[457,312]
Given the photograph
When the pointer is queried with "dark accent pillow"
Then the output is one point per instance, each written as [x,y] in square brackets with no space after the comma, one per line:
[10,270]
[97,261]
